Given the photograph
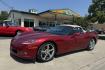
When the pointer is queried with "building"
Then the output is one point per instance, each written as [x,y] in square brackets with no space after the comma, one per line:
[46,18]
[99,26]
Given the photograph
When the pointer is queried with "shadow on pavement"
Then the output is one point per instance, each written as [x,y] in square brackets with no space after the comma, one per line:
[26,61]
[6,37]
[102,37]
[61,55]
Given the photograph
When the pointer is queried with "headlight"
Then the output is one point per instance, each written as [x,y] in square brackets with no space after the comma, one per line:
[29,42]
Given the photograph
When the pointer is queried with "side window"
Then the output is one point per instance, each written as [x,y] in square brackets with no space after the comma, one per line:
[80,29]
[6,24]
[1,24]
[77,30]
[68,30]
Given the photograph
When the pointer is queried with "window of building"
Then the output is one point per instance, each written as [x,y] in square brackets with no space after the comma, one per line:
[41,24]
[19,22]
[48,24]
[28,22]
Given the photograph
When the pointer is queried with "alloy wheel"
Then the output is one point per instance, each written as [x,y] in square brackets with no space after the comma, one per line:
[46,52]
[91,44]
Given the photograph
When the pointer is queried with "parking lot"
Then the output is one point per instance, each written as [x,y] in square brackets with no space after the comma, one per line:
[81,60]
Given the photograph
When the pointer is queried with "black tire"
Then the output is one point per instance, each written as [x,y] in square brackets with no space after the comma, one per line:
[91,44]
[46,54]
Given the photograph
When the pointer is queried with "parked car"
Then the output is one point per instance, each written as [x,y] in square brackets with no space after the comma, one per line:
[42,29]
[57,40]
[100,31]
[10,29]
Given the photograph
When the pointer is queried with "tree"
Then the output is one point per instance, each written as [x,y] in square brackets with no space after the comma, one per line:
[82,21]
[97,11]
[3,16]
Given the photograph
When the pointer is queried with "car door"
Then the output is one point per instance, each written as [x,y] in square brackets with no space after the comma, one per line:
[68,42]
[81,38]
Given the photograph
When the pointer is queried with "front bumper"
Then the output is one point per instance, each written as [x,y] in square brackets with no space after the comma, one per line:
[23,52]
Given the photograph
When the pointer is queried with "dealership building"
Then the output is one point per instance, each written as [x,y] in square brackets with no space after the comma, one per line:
[46,18]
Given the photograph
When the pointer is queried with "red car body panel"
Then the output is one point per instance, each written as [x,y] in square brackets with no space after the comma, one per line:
[64,43]
[11,30]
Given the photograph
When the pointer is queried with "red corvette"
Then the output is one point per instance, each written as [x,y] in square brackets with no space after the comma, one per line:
[57,40]
[10,29]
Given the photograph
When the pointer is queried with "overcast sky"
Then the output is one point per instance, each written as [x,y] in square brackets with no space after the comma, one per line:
[79,6]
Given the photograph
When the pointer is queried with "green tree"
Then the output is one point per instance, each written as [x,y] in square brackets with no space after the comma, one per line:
[97,11]
[82,21]
[3,15]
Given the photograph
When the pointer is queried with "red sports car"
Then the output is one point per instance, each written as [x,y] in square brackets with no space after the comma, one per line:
[57,40]
[10,29]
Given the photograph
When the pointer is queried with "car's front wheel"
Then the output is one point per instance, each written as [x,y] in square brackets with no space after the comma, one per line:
[91,44]
[46,52]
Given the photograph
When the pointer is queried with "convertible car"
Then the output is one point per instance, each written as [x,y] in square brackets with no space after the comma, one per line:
[57,40]
[11,29]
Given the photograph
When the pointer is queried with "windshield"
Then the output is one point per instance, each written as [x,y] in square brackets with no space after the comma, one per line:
[60,30]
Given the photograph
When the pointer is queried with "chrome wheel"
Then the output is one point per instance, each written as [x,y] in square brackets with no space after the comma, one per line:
[46,52]
[91,44]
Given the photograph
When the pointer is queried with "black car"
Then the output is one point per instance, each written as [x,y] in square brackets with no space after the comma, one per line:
[100,31]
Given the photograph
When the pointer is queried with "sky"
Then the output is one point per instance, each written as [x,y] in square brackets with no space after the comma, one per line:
[79,6]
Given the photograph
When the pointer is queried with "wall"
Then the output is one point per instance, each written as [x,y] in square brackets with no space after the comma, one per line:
[15,15]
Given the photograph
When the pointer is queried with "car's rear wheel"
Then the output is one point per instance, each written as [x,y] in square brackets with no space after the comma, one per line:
[46,52]
[91,44]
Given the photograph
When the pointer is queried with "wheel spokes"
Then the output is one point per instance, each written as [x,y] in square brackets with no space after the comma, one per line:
[48,46]
[51,50]
[92,44]
[45,57]
[47,52]
[43,51]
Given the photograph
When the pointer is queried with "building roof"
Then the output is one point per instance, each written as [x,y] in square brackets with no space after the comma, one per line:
[68,12]
[23,12]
